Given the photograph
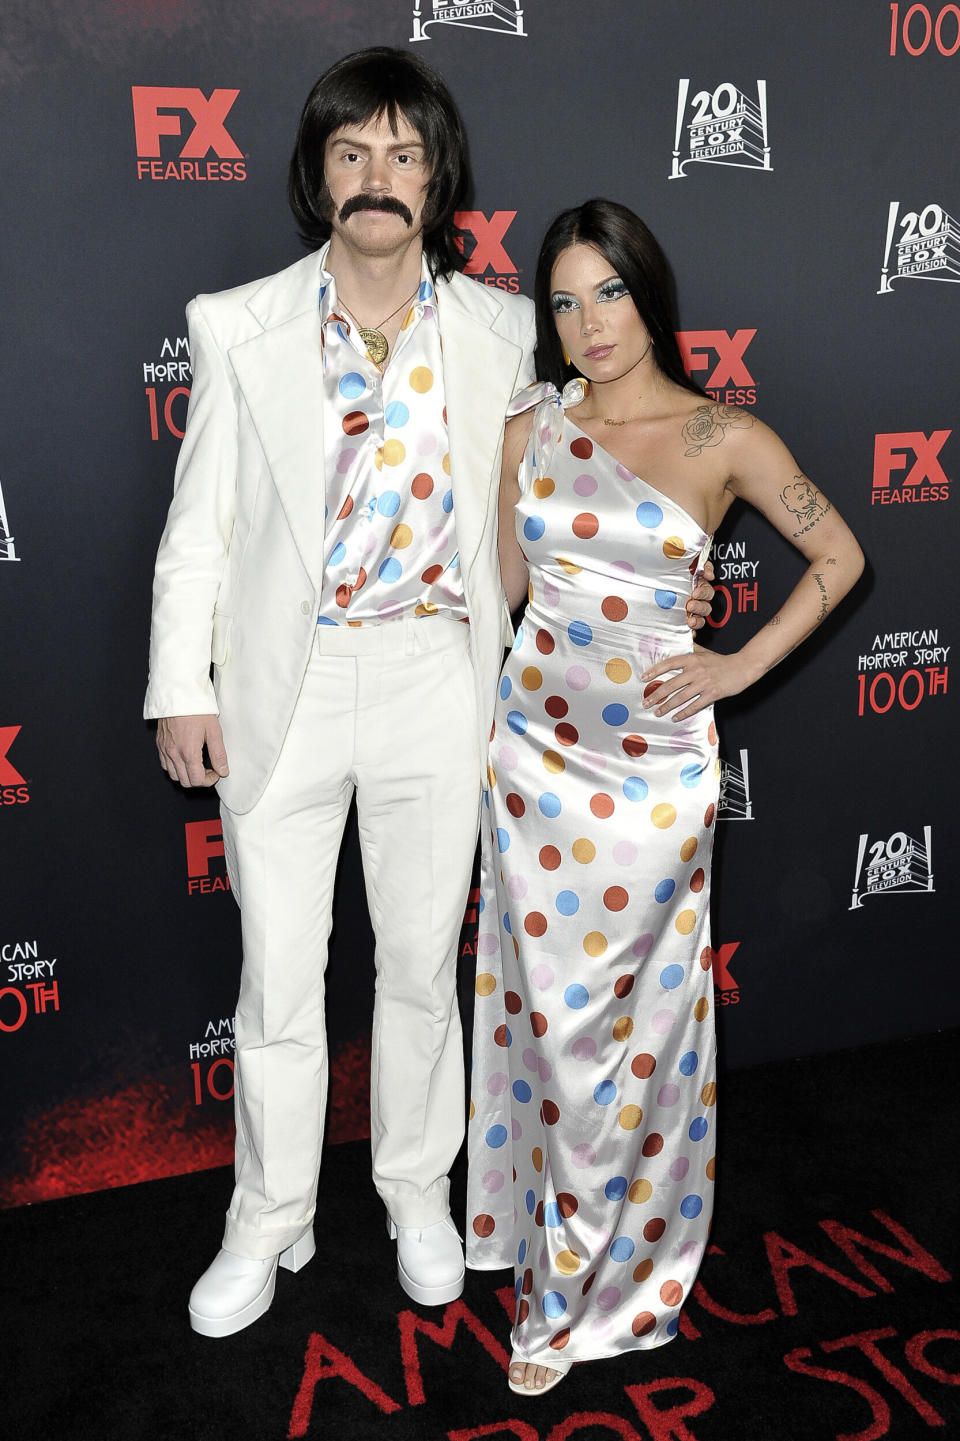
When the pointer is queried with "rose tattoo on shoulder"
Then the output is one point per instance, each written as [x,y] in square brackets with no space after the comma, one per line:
[710,425]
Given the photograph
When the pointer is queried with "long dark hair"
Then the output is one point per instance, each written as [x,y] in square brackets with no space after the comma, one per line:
[362,87]
[636,256]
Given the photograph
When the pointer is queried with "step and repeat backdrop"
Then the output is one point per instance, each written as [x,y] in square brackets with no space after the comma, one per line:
[795,162]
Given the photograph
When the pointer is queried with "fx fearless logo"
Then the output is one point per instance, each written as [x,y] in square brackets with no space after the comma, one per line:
[716,358]
[7,547]
[927,248]
[482,241]
[503,16]
[204,842]
[722,126]
[907,467]
[191,126]
[896,864]
[725,988]
[14,789]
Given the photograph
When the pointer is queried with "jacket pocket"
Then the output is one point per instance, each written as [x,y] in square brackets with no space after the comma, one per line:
[220,644]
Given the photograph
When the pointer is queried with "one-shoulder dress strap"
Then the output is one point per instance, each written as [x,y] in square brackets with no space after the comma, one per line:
[549,405]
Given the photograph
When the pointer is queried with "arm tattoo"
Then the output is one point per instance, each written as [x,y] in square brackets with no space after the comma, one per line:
[804,501]
[774,620]
[824,602]
[710,425]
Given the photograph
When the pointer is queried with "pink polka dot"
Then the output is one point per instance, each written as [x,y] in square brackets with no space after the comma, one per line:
[529,1058]
[608,1298]
[436,533]
[663,1022]
[585,485]
[679,1168]
[583,1156]
[691,1250]
[624,473]
[551,593]
[498,1083]
[594,762]
[601,1325]
[516,1130]
[507,758]
[625,853]
[493,1181]
[625,565]
[542,977]
[346,459]
[427,444]
[578,678]
[642,945]
[584,1048]
[544,1069]
[668,1095]
[487,944]
[517,886]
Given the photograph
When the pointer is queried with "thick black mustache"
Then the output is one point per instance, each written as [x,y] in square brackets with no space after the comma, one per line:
[390,203]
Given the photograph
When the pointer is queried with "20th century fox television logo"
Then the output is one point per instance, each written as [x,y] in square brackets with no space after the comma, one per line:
[893,866]
[927,248]
[721,126]
[502,16]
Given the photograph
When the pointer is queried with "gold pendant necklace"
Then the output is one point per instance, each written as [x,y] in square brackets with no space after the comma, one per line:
[373,337]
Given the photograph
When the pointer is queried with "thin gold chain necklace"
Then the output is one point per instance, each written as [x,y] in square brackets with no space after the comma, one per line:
[373,336]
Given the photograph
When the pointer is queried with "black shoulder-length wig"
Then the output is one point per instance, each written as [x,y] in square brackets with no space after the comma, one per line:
[361,87]
[635,255]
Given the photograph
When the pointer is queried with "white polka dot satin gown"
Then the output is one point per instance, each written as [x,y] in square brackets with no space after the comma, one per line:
[593,1112]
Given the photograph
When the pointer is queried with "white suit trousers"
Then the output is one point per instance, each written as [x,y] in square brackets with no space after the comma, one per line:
[387,711]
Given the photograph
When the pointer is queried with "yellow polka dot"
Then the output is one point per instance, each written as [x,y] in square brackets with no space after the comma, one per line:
[663,815]
[685,922]
[567,1262]
[673,547]
[622,1029]
[711,1168]
[709,1094]
[530,591]
[486,984]
[618,670]
[473,1110]
[639,1192]
[409,318]
[536,1155]
[594,943]
[568,566]
[378,458]
[531,678]
[426,607]
[445,463]
[394,452]
[583,851]
[491,776]
[402,536]
[421,379]
[630,1117]
[689,849]
[641,1272]
[516,943]
[702,1009]
[543,487]
[716,766]
[553,762]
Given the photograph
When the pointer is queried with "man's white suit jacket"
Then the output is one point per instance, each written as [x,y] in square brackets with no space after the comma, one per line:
[239,569]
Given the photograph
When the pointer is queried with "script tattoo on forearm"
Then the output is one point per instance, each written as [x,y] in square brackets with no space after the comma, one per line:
[804,501]
[710,425]
[824,602]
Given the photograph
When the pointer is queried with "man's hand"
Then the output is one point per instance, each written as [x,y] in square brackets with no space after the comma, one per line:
[180,741]
[699,605]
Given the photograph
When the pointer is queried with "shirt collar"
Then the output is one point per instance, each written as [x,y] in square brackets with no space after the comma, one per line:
[424,302]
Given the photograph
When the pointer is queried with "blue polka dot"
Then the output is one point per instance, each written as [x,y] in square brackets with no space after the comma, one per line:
[549,805]
[533,527]
[576,997]
[666,599]
[503,840]
[481,905]
[551,1214]
[616,1188]
[615,714]
[664,891]
[352,385]
[698,1128]
[691,776]
[554,1304]
[390,570]
[495,1137]
[508,1035]
[690,1207]
[671,977]
[635,788]
[622,1249]
[325,620]
[604,1093]
[649,514]
[518,1283]
[568,903]
[671,1328]
[521,1252]
[522,1091]
[388,503]
[579,632]
[517,722]
[530,1201]
[396,414]
[337,554]
[506,686]
[426,290]
[518,638]
[341,332]
[506,923]
[688,1063]
[447,501]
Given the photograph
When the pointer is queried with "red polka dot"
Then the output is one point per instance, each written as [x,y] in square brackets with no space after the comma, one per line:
[654,1229]
[585,525]
[709,814]
[484,1225]
[567,1204]
[634,745]
[538,1214]
[344,592]
[582,448]
[361,579]
[421,486]
[558,1341]
[550,858]
[549,1113]
[650,687]
[526,1285]
[346,508]
[602,805]
[523,1311]
[432,573]
[356,422]
[712,733]
[588,1283]
[567,734]
[671,1293]
[515,804]
[535,923]
[500,1036]
[643,1323]
[555,707]
[643,1065]
[653,1144]
[545,642]
[614,607]
[512,1002]
[706,958]
[697,880]
[622,986]
[615,898]
[538,1023]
